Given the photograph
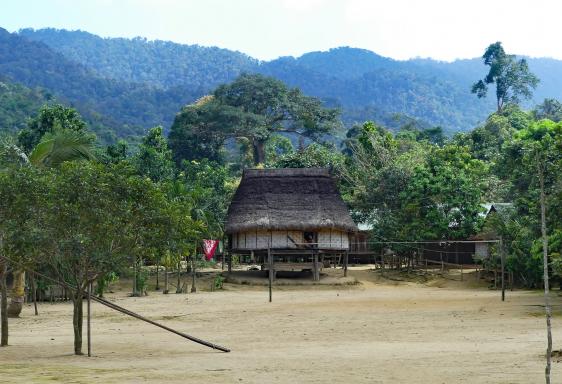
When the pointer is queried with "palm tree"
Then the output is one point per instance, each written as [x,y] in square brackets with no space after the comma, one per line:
[54,148]
[60,146]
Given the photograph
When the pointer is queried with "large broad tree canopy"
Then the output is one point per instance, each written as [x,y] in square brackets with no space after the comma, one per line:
[253,107]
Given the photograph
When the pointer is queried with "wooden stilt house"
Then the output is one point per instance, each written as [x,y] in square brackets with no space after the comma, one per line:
[289,219]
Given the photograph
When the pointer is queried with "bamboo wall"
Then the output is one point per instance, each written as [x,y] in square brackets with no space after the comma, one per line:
[327,239]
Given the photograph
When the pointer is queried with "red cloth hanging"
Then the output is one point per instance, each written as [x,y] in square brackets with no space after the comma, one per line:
[209,248]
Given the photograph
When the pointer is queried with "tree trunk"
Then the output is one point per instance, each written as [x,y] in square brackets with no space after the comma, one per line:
[3,304]
[18,294]
[193,287]
[259,151]
[178,287]
[135,288]
[34,293]
[77,321]
[545,275]
[157,275]
[165,281]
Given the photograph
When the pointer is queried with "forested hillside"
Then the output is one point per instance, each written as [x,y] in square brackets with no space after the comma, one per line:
[160,63]
[391,88]
[129,85]
[125,109]
[17,104]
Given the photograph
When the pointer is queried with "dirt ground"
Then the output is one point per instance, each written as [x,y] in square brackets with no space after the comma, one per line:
[376,331]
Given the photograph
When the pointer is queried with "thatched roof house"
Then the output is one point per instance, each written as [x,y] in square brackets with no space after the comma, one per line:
[288,208]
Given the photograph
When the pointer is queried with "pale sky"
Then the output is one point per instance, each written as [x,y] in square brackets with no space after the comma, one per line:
[266,29]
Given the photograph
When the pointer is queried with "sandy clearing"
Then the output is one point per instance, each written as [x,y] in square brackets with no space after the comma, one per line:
[371,333]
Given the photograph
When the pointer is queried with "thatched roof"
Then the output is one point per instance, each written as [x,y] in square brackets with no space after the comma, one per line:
[503,209]
[287,199]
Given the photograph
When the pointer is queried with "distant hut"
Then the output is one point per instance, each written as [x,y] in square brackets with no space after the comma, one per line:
[295,214]
[501,211]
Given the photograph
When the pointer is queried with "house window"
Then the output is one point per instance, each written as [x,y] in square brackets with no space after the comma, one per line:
[310,237]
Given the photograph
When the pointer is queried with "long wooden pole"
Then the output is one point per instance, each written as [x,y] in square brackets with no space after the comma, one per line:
[315,266]
[502,258]
[548,309]
[270,262]
[4,301]
[137,316]
[345,261]
[89,320]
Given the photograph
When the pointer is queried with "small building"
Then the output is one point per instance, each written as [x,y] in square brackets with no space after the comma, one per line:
[499,210]
[295,214]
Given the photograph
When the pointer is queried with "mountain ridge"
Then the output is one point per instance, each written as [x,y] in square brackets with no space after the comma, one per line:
[137,83]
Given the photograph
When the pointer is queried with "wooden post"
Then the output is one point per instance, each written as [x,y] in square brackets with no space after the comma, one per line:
[503,268]
[315,273]
[442,265]
[457,253]
[270,263]
[461,271]
[134,278]
[89,320]
[229,262]
[345,261]
[408,260]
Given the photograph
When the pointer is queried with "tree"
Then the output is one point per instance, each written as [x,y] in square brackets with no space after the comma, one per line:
[54,148]
[206,189]
[512,77]
[50,117]
[433,135]
[22,199]
[115,153]
[254,107]
[187,223]
[442,199]
[549,109]
[198,132]
[378,169]
[154,158]
[313,156]
[98,217]
[62,145]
